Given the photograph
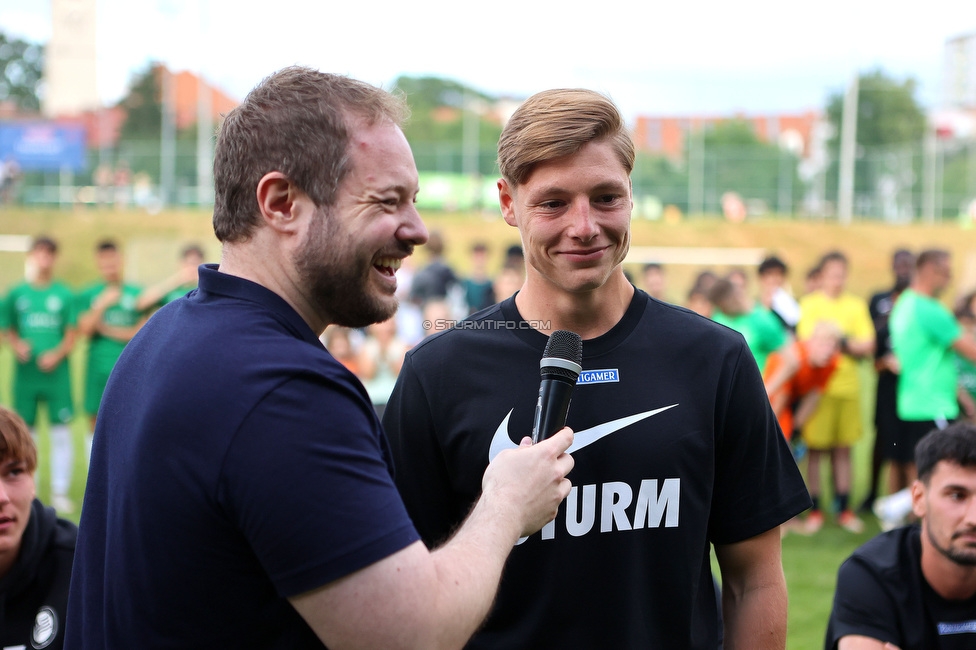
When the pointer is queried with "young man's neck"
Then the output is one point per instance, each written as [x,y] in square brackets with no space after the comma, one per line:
[42,279]
[922,288]
[7,560]
[590,314]
[950,580]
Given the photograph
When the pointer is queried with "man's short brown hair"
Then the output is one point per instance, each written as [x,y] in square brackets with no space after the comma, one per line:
[15,440]
[296,122]
[931,256]
[558,123]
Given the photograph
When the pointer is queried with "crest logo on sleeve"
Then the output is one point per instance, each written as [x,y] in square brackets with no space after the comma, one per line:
[45,628]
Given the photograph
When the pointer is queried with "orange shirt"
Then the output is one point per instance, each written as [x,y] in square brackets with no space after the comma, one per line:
[806,379]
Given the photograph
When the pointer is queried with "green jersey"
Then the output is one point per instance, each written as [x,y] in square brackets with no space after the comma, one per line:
[763,332]
[967,374]
[104,351]
[40,315]
[922,333]
[178,293]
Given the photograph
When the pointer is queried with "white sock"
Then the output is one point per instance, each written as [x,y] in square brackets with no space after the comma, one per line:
[62,459]
[38,473]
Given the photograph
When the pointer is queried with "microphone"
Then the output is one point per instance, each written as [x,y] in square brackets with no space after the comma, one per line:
[560,368]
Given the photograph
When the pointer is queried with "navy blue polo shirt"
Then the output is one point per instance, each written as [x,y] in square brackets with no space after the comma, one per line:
[235,464]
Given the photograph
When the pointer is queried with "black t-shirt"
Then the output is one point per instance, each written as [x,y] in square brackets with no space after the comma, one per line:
[882,594]
[675,447]
[880,310]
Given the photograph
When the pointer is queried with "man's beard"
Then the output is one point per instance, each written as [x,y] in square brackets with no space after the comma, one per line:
[338,280]
[962,558]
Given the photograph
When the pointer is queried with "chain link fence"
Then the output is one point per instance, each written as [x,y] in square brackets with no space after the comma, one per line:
[932,180]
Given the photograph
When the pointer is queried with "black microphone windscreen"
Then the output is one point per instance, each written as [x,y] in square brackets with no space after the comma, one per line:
[566,346]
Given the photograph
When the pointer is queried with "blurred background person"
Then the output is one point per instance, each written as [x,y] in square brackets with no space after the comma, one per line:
[109,318]
[739,278]
[41,322]
[437,280]
[177,285]
[774,293]
[478,291]
[811,281]
[763,332]
[925,337]
[36,548]
[380,359]
[886,420]
[409,315]
[966,369]
[655,281]
[697,299]
[338,341]
[437,317]
[836,424]
[796,383]
[507,281]
[515,259]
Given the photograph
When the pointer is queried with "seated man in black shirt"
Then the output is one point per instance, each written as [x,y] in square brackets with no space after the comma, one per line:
[36,548]
[915,587]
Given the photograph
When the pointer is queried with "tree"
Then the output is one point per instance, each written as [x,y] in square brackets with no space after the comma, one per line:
[659,177]
[21,71]
[143,106]
[890,129]
[141,133]
[435,130]
[736,160]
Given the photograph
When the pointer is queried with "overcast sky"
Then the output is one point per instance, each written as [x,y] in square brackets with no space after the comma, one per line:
[651,57]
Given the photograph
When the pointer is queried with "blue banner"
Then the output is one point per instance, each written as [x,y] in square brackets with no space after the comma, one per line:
[43,146]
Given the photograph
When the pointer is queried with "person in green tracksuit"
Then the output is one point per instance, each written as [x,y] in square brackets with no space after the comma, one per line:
[40,320]
[109,317]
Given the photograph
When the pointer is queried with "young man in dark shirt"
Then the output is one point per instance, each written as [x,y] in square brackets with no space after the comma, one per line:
[36,548]
[914,588]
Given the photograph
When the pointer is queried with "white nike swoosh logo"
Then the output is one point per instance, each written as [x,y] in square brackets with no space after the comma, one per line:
[501,440]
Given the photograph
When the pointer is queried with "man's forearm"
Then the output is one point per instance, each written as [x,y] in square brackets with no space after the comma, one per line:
[753,592]
[756,618]
[469,568]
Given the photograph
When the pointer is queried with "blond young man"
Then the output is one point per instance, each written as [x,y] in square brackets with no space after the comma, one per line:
[680,450]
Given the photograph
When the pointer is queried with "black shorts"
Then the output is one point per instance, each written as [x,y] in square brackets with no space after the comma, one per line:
[886,422]
[907,435]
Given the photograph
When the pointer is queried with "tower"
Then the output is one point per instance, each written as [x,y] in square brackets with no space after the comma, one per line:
[69,61]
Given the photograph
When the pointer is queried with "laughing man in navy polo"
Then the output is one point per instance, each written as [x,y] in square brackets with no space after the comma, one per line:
[241,493]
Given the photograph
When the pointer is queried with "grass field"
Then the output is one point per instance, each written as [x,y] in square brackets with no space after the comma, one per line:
[151,243]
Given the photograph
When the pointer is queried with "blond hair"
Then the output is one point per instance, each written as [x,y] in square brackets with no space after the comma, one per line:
[558,123]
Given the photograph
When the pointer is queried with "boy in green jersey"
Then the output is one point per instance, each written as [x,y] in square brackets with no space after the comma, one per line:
[176,285]
[39,319]
[966,369]
[108,316]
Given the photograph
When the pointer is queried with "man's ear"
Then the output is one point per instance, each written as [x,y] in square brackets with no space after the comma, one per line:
[918,498]
[506,199]
[279,201]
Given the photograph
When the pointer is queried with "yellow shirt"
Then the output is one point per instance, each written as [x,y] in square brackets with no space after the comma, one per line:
[850,314]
